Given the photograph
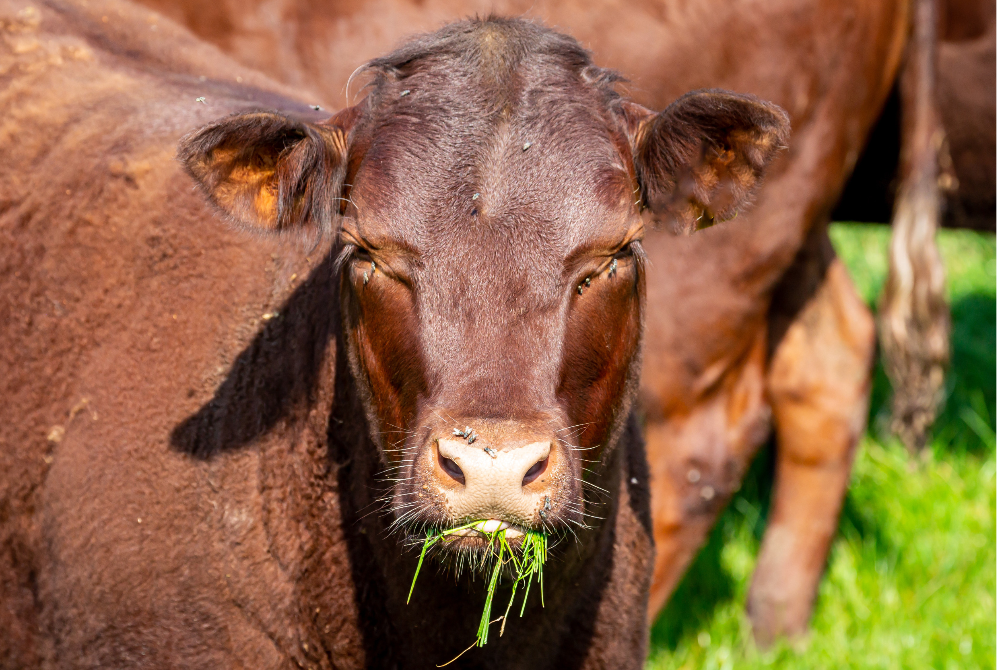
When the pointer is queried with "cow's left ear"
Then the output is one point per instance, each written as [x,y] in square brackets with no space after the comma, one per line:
[702,158]
[269,172]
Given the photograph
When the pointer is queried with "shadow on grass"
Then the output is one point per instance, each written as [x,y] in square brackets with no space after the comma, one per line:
[861,527]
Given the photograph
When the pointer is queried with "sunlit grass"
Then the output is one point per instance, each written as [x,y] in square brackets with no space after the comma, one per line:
[911,580]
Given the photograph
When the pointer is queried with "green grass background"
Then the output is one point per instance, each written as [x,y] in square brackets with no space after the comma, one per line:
[911,579]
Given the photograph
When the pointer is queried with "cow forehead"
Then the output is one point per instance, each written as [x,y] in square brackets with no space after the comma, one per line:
[513,189]
[459,153]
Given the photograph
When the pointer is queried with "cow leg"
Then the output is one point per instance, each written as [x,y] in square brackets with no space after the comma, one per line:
[679,527]
[697,460]
[818,385]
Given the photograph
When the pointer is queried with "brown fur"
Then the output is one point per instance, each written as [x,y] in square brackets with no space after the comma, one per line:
[189,477]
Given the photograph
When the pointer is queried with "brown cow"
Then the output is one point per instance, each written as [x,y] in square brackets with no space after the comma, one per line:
[767,335]
[201,427]
[966,95]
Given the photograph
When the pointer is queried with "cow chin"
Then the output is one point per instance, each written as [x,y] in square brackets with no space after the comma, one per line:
[473,480]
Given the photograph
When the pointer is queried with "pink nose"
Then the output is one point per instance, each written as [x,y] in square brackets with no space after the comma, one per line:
[491,484]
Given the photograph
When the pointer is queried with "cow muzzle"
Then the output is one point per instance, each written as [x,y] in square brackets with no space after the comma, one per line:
[514,485]
[492,484]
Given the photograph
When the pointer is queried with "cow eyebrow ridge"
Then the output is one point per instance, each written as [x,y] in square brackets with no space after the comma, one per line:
[584,254]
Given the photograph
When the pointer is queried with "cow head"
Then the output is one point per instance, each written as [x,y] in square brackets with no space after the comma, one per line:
[490,196]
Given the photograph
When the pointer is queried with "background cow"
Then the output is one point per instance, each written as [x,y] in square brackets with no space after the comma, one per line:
[189,479]
[965,95]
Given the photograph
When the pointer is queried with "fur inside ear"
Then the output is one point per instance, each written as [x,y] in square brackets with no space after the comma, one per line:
[702,158]
[269,172]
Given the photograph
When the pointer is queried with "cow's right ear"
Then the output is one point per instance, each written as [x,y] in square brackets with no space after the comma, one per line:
[269,172]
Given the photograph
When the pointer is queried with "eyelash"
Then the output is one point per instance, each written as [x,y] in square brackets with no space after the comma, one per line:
[347,253]
[635,250]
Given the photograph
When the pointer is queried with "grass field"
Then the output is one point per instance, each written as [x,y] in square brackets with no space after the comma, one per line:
[911,580]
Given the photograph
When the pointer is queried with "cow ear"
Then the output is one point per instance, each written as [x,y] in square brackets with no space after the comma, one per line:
[269,172]
[702,158]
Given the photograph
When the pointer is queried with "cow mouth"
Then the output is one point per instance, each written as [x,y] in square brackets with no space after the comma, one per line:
[479,537]
[487,547]
[484,531]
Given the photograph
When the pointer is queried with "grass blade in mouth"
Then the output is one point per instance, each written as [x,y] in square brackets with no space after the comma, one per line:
[527,564]
[484,621]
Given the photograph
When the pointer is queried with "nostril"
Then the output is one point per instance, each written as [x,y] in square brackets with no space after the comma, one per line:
[534,471]
[451,467]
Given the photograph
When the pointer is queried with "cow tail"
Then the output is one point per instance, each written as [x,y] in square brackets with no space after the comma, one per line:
[913,319]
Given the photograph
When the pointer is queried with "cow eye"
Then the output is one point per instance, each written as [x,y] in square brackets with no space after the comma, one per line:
[627,254]
[627,259]
[356,262]
[351,255]
[362,267]
[361,255]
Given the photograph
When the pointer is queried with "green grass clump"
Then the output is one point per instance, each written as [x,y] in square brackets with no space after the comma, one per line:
[527,564]
[910,582]
[911,576]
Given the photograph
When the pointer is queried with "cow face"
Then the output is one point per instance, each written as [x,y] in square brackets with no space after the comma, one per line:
[490,196]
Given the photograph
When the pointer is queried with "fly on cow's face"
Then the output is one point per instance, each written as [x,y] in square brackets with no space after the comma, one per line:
[546,508]
[613,270]
[468,434]
[365,278]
